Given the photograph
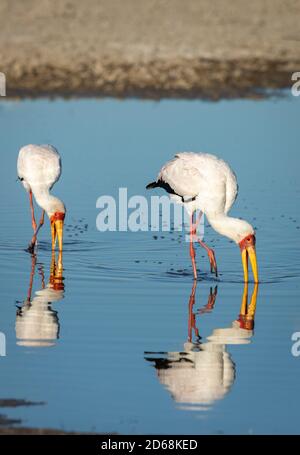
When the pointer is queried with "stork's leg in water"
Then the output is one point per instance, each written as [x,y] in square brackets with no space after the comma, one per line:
[32,211]
[210,251]
[211,257]
[37,228]
[192,249]
[33,222]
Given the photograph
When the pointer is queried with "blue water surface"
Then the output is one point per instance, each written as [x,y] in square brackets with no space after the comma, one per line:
[107,349]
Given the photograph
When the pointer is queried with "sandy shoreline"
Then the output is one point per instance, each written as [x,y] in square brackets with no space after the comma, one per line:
[194,79]
[155,48]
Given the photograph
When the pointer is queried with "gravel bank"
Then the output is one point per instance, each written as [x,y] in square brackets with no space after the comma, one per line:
[154,48]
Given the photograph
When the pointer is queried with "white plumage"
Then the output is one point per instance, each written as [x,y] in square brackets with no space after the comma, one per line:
[39,165]
[203,176]
[201,181]
[39,168]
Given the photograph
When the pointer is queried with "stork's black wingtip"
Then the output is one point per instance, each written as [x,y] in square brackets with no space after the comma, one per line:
[151,185]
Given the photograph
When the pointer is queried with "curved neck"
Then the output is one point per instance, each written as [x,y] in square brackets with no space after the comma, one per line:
[45,200]
[225,225]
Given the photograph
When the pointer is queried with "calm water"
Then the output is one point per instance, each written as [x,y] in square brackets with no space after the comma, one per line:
[107,348]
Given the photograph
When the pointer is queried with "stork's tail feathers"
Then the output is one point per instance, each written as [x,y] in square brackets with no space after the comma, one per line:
[152,185]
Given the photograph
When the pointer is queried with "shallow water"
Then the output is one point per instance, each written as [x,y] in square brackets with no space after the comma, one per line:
[107,347]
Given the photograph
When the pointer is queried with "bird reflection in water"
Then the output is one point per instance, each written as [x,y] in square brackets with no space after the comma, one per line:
[204,372]
[37,324]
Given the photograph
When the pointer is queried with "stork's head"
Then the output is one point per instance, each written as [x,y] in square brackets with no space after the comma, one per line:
[246,241]
[56,213]
[243,234]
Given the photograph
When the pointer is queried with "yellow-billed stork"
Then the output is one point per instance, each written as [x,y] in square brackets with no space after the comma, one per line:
[39,168]
[201,181]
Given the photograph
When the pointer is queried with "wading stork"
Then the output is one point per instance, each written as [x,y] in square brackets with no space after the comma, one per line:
[39,168]
[204,182]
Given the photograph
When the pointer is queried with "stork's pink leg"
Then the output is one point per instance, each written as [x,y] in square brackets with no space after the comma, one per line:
[41,222]
[198,220]
[34,225]
[211,257]
[192,249]
[30,248]
[32,212]
[42,219]
[210,252]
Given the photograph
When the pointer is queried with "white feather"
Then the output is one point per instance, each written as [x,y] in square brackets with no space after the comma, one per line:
[39,168]
[203,175]
[39,165]
[212,183]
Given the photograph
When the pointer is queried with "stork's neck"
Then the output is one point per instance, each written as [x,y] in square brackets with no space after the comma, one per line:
[233,228]
[47,201]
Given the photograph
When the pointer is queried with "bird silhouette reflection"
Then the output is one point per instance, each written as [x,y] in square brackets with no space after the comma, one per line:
[37,324]
[204,372]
